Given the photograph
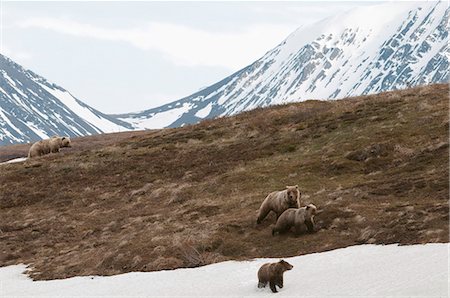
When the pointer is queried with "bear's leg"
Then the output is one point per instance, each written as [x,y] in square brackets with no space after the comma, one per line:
[280,282]
[262,214]
[278,215]
[281,229]
[297,230]
[262,284]
[310,225]
[273,286]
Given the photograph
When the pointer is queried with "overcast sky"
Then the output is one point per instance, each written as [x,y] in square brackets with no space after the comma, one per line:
[128,56]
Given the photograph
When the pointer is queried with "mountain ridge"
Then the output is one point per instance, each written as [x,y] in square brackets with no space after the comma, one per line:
[317,62]
[32,108]
[366,50]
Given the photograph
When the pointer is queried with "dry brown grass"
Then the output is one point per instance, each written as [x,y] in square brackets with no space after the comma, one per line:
[79,144]
[376,165]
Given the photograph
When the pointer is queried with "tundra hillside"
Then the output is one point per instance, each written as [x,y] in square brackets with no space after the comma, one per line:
[377,166]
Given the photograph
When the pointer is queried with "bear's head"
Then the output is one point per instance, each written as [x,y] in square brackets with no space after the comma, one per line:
[311,210]
[65,142]
[285,265]
[293,196]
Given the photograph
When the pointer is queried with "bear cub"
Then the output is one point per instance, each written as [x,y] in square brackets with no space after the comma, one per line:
[297,218]
[272,273]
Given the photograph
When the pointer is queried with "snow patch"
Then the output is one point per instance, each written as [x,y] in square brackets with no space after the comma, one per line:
[205,111]
[15,160]
[366,270]
[6,76]
[5,120]
[4,92]
[42,134]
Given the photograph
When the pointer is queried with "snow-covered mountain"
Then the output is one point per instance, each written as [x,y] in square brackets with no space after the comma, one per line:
[366,50]
[31,108]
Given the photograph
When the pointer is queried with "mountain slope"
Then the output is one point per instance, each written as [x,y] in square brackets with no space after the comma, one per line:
[367,50]
[377,166]
[32,108]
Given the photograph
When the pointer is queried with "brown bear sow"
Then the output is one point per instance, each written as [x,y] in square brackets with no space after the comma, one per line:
[47,146]
[278,201]
[272,273]
[297,218]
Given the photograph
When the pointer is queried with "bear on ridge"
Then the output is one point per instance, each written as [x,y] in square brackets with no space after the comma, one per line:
[48,146]
[279,201]
[297,218]
[272,273]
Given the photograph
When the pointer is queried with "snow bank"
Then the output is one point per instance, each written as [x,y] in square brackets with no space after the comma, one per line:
[367,270]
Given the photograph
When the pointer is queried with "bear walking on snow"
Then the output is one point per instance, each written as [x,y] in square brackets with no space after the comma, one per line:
[279,201]
[297,218]
[47,146]
[272,273]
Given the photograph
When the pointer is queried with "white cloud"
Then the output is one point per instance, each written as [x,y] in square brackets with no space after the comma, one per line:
[182,45]
[156,99]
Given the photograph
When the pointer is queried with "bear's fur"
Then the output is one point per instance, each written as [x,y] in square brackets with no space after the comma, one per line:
[47,146]
[297,218]
[272,273]
[279,201]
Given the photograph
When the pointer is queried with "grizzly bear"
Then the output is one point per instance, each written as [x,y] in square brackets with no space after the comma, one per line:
[278,201]
[47,146]
[272,273]
[297,218]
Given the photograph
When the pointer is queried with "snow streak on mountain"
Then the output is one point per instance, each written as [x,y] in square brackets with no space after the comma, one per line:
[367,50]
[31,108]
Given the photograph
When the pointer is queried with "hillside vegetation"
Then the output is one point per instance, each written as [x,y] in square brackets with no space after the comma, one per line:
[377,167]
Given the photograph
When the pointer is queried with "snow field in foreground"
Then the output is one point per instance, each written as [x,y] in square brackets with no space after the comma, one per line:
[366,270]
